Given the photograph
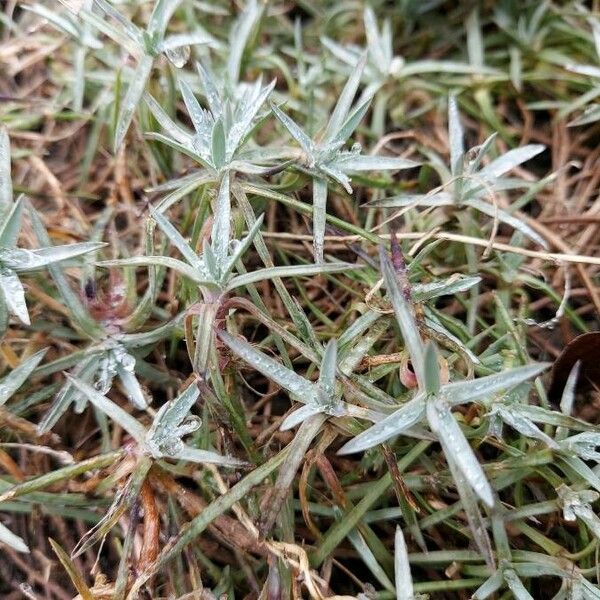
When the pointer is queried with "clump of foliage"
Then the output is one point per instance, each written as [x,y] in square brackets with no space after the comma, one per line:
[281,285]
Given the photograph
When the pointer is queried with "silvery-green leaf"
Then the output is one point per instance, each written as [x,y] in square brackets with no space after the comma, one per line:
[470,504]
[437,199]
[591,591]
[516,585]
[165,121]
[456,137]
[178,56]
[63,24]
[590,115]
[17,377]
[297,450]
[112,410]
[176,41]
[510,160]
[319,216]
[218,144]
[395,424]
[582,470]
[347,55]
[206,457]
[159,261]
[375,163]
[11,224]
[85,371]
[10,539]
[129,28]
[76,308]
[241,247]
[485,387]
[210,262]
[161,15]
[505,217]
[328,368]
[195,111]
[170,415]
[431,371]
[291,271]
[352,121]
[511,416]
[374,38]
[244,122]
[299,416]
[480,152]
[583,445]
[405,317]
[442,422]
[568,396]
[455,342]
[176,238]
[366,555]
[305,142]
[342,107]
[22,260]
[302,389]
[337,174]
[211,91]
[589,70]
[404,584]
[422,292]
[489,586]
[132,98]
[6,193]
[421,67]
[539,414]
[221,229]
[187,150]
[239,36]
[14,295]
[133,389]
[130,40]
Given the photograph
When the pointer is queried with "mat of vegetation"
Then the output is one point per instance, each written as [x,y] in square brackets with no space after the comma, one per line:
[299,299]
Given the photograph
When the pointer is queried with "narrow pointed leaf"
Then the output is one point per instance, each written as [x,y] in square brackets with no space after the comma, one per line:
[456,135]
[510,160]
[404,584]
[10,539]
[132,98]
[305,142]
[485,387]
[14,295]
[6,193]
[319,217]
[221,230]
[112,410]
[375,163]
[175,238]
[342,107]
[17,377]
[301,388]
[159,261]
[443,423]
[405,318]
[395,424]
[292,271]
[11,224]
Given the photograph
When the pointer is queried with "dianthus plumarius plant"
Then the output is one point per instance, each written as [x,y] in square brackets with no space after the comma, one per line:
[282,286]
